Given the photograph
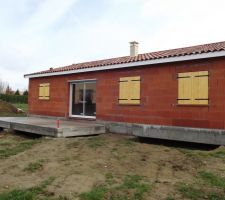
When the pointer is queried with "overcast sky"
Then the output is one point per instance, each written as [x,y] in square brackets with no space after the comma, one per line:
[39,34]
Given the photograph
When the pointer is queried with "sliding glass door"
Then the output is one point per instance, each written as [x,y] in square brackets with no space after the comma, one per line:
[83,101]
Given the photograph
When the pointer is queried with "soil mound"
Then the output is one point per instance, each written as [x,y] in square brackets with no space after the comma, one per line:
[7,107]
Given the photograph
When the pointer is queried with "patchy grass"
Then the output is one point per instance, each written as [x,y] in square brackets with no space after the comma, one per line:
[23,107]
[97,193]
[109,167]
[169,198]
[193,193]
[10,110]
[210,186]
[207,154]
[14,148]
[6,114]
[188,191]
[212,179]
[128,142]
[95,142]
[34,166]
[30,193]
[74,144]
[133,187]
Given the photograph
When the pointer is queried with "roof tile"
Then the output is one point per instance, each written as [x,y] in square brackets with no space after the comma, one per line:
[199,49]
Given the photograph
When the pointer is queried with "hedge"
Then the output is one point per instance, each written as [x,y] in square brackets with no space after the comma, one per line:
[14,98]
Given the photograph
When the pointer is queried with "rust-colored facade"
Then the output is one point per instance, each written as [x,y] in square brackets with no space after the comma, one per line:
[159,93]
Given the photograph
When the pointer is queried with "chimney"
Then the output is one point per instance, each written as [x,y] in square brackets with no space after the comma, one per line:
[133,48]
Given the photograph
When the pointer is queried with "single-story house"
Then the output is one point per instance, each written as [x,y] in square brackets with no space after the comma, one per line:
[178,87]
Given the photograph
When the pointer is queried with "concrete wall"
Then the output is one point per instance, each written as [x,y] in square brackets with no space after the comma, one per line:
[159,89]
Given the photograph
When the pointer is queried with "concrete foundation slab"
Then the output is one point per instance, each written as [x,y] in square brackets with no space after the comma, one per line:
[197,135]
[48,127]
[186,134]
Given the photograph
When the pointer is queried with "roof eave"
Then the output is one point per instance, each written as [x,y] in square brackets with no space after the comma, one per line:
[133,64]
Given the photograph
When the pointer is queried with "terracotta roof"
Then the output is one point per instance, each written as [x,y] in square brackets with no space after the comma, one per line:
[193,50]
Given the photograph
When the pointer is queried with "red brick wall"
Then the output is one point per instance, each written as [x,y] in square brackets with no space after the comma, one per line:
[159,90]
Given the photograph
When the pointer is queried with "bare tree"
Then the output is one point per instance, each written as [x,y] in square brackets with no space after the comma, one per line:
[3,86]
[8,90]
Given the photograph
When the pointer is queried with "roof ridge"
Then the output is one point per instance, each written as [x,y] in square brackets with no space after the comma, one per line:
[183,51]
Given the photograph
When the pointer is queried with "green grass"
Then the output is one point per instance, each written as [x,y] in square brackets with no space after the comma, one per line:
[9,110]
[15,148]
[34,166]
[169,198]
[24,107]
[97,193]
[4,114]
[194,193]
[213,154]
[133,187]
[127,142]
[73,144]
[208,186]
[212,179]
[190,192]
[30,193]
[95,142]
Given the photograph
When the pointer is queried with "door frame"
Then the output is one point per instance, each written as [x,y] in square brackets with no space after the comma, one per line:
[71,83]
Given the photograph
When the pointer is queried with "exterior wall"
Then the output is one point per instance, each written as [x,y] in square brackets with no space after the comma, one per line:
[159,90]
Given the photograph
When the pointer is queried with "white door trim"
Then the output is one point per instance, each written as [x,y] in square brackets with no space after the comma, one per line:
[71,99]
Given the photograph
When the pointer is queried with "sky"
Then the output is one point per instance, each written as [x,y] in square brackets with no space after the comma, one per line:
[38,34]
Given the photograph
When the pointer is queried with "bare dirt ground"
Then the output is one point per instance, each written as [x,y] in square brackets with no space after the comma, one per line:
[111,167]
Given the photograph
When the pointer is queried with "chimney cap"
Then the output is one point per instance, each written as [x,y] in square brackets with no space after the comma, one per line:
[134,42]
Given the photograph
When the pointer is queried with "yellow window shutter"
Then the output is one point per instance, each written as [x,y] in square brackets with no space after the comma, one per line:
[135,85]
[129,90]
[41,95]
[185,88]
[47,91]
[201,87]
[44,91]
[124,90]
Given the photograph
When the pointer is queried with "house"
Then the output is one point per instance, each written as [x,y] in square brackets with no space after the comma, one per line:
[182,87]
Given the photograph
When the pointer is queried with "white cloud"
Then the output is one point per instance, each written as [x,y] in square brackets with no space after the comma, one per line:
[185,23]
[38,34]
[49,12]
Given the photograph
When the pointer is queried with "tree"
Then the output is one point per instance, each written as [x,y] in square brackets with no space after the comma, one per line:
[17,92]
[2,87]
[8,90]
[25,93]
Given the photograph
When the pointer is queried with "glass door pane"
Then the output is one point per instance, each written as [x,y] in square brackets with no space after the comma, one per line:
[84,99]
[78,99]
[90,99]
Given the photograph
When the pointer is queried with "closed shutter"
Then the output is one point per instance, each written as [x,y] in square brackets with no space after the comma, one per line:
[123,90]
[47,91]
[135,85]
[44,91]
[201,87]
[129,90]
[41,91]
[185,88]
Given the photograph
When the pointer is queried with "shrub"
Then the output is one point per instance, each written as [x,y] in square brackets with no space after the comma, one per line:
[14,98]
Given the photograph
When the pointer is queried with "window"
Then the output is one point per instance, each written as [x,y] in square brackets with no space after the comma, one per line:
[193,88]
[129,90]
[44,93]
